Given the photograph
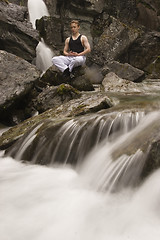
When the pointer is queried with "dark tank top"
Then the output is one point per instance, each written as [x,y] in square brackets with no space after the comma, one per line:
[76,45]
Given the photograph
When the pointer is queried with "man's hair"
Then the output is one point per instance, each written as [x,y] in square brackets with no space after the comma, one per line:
[76,22]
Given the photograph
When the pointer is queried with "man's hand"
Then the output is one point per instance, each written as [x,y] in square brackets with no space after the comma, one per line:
[73,53]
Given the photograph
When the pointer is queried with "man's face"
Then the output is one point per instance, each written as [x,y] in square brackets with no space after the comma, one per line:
[74,28]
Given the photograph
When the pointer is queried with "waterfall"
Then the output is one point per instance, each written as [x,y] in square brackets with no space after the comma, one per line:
[37,9]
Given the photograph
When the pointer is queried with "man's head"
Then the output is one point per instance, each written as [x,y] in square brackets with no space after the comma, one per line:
[75,26]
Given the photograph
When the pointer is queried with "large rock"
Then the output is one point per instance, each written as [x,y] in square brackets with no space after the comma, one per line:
[143,51]
[114,41]
[54,96]
[16,33]
[113,83]
[148,14]
[54,77]
[17,78]
[126,71]
[87,103]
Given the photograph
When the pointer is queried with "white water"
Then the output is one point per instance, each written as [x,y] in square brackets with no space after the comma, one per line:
[37,9]
[44,56]
[40,203]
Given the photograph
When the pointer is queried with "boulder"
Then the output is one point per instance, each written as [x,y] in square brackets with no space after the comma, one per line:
[54,77]
[126,71]
[143,51]
[54,96]
[113,83]
[115,40]
[17,78]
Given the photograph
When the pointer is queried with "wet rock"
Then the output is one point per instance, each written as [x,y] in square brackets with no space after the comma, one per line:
[147,140]
[87,103]
[153,159]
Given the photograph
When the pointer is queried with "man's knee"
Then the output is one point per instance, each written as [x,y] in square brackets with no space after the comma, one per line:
[54,59]
[79,62]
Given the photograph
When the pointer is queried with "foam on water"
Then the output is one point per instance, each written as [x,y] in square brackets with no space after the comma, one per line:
[40,203]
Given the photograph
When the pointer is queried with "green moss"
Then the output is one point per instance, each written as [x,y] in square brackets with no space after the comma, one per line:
[63,89]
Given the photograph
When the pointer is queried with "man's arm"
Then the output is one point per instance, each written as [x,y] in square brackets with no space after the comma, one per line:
[86,45]
[66,47]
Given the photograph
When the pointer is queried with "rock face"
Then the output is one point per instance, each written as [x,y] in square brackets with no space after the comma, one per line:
[115,40]
[16,33]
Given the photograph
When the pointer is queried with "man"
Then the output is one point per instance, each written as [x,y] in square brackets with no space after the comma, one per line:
[75,49]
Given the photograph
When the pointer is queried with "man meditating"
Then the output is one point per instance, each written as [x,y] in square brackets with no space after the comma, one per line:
[75,49]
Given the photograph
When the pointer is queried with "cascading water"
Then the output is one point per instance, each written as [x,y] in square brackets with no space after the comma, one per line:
[62,202]
[37,9]
[100,128]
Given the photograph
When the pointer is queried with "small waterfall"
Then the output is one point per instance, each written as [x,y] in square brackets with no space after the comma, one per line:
[70,142]
[37,9]
[44,56]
